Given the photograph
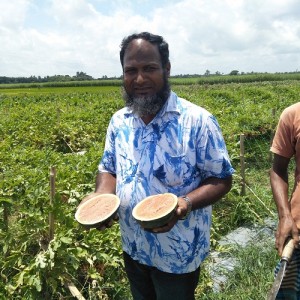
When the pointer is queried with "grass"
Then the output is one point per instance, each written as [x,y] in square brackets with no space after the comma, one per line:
[252,277]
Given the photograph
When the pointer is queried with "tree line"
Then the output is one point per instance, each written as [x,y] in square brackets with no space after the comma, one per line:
[82,76]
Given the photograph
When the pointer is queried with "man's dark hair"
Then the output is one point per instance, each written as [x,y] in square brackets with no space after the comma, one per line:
[158,40]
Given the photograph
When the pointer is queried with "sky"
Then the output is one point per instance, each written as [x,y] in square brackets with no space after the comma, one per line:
[62,37]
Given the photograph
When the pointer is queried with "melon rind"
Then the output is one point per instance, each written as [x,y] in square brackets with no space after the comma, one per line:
[150,223]
[99,221]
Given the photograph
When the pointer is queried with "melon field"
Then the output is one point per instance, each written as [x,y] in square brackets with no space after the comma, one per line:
[46,254]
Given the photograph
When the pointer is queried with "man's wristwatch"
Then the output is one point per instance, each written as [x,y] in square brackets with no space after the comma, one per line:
[189,207]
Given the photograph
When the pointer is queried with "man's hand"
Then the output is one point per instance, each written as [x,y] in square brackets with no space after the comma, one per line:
[286,228]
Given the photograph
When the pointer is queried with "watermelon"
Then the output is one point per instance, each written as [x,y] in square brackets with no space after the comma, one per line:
[156,210]
[97,210]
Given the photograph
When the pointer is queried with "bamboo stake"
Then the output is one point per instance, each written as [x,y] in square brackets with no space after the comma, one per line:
[5,212]
[58,111]
[242,161]
[272,136]
[52,195]
[5,215]
[74,291]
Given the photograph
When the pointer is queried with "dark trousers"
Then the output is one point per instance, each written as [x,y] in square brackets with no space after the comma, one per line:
[149,283]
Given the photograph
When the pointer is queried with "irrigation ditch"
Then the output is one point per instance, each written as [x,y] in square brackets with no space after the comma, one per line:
[220,264]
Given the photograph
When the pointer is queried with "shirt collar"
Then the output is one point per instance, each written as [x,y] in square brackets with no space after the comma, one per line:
[171,104]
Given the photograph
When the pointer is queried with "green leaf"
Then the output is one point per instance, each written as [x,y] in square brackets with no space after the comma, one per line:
[66,240]
[40,261]
[37,283]
[90,261]
[6,200]
[21,278]
[51,253]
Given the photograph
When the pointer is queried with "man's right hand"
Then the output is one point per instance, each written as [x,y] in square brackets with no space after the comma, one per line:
[286,228]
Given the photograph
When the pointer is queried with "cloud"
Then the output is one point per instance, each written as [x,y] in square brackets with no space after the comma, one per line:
[62,37]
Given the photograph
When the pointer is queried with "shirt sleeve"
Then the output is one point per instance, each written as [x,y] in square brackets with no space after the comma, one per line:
[283,143]
[213,159]
[108,160]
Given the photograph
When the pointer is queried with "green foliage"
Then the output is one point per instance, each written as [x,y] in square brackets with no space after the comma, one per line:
[66,128]
[68,132]
[251,279]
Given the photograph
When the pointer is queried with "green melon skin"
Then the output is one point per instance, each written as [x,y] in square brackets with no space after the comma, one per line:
[151,224]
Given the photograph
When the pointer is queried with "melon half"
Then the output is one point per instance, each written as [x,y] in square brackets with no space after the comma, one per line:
[97,210]
[156,210]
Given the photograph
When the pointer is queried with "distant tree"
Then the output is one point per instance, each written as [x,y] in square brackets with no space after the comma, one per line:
[234,72]
[82,76]
[207,73]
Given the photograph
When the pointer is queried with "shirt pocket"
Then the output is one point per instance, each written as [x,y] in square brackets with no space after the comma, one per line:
[168,168]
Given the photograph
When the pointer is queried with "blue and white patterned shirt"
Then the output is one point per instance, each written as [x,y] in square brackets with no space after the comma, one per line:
[182,146]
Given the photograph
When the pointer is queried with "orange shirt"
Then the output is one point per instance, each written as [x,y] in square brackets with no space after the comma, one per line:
[286,143]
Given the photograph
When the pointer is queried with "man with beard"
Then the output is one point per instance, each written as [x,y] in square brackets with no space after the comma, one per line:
[160,143]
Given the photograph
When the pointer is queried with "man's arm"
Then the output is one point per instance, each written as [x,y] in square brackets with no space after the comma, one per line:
[105,183]
[212,190]
[280,188]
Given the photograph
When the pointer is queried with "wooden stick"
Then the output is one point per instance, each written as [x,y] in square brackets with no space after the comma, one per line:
[52,195]
[5,212]
[272,136]
[242,160]
[5,215]
[74,291]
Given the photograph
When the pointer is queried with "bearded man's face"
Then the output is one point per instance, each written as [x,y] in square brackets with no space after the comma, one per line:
[146,87]
[143,105]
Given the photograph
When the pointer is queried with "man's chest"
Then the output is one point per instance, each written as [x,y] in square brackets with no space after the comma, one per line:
[163,153]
